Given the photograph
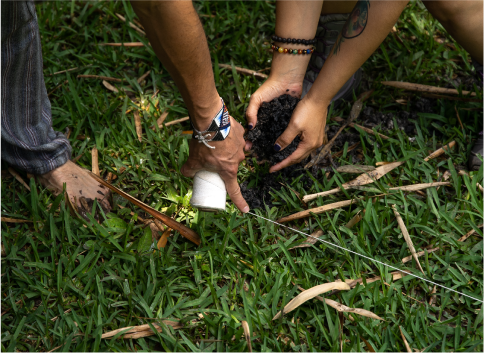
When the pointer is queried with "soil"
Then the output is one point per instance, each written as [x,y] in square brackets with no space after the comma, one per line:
[273,118]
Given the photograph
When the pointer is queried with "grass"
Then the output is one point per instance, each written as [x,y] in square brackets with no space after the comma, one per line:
[65,282]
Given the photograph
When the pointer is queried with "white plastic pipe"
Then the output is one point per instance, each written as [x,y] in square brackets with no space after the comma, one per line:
[208,192]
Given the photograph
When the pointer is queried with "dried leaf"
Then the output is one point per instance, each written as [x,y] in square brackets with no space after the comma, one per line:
[317,210]
[406,235]
[142,78]
[244,71]
[355,168]
[164,238]
[137,123]
[177,121]
[141,330]
[363,179]
[310,240]
[368,345]
[469,233]
[15,220]
[405,341]
[310,294]
[433,296]
[353,221]
[132,44]
[162,117]
[106,78]
[420,253]
[95,161]
[353,282]
[132,25]
[424,88]
[245,326]
[440,151]
[18,177]
[182,229]
[110,86]
[347,309]
[367,130]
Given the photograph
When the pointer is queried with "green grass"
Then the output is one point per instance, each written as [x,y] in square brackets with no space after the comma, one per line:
[65,282]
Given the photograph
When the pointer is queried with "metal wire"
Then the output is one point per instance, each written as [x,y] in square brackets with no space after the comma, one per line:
[367,257]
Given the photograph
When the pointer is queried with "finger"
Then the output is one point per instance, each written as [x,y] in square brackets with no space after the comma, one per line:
[189,169]
[248,145]
[251,113]
[297,156]
[286,138]
[233,189]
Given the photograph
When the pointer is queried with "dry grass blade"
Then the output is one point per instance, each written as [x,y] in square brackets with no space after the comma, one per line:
[367,130]
[142,78]
[406,235]
[396,275]
[340,153]
[368,345]
[182,229]
[460,99]
[405,340]
[106,78]
[317,210]
[6,174]
[355,168]
[440,151]
[355,112]
[310,240]
[132,44]
[424,88]
[132,25]
[363,179]
[353,221]
[141,330]
[162,117]
[137,124]
[245,327]
[458,117]
[15,220]
[18,177]
[164,238]
[178,121]
[69,70]
[310,294]
[464,237]
[462,173]
[420,253]
[243,71]
[110,86]
[95,161]
[433,296]
[417,187]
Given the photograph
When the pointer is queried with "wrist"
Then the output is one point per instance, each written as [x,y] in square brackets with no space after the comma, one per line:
[203,115]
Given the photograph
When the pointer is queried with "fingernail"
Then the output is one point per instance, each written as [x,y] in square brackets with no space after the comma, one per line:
[251,126]
[277,148]
[246,209]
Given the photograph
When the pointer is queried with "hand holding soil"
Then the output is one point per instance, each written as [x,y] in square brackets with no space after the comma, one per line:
[307,122]
[224,160]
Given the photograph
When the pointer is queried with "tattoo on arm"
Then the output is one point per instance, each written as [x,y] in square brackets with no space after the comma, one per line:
[355,25]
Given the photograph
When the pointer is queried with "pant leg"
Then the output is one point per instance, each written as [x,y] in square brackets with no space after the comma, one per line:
[29,142]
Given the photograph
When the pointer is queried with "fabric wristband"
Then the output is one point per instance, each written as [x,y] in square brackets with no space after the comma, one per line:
[219,127]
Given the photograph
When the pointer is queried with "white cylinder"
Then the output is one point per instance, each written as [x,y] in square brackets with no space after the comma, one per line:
[208,192]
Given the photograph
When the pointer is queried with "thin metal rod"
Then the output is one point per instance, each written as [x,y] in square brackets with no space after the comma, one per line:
[366,257]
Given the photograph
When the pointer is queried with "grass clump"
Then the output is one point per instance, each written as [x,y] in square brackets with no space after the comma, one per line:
[65,282]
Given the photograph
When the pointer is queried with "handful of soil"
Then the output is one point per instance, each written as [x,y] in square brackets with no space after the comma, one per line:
[272,119]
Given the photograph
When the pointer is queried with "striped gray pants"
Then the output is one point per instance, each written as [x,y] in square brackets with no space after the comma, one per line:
[29,142]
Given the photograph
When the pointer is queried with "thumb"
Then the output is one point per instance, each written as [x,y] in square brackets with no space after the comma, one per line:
[286,138]
[251,113]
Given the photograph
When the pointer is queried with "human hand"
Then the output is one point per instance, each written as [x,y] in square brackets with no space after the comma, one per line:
[308,122]
[272,88]
[224,160]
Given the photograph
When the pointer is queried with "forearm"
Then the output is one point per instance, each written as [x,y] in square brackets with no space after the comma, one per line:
[367,27]
[177,37]
[294,19]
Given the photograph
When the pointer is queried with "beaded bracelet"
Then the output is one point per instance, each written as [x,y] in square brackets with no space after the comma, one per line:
[291,51]
[294,40]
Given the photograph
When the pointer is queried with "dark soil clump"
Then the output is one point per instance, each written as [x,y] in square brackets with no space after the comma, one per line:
[272,119]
